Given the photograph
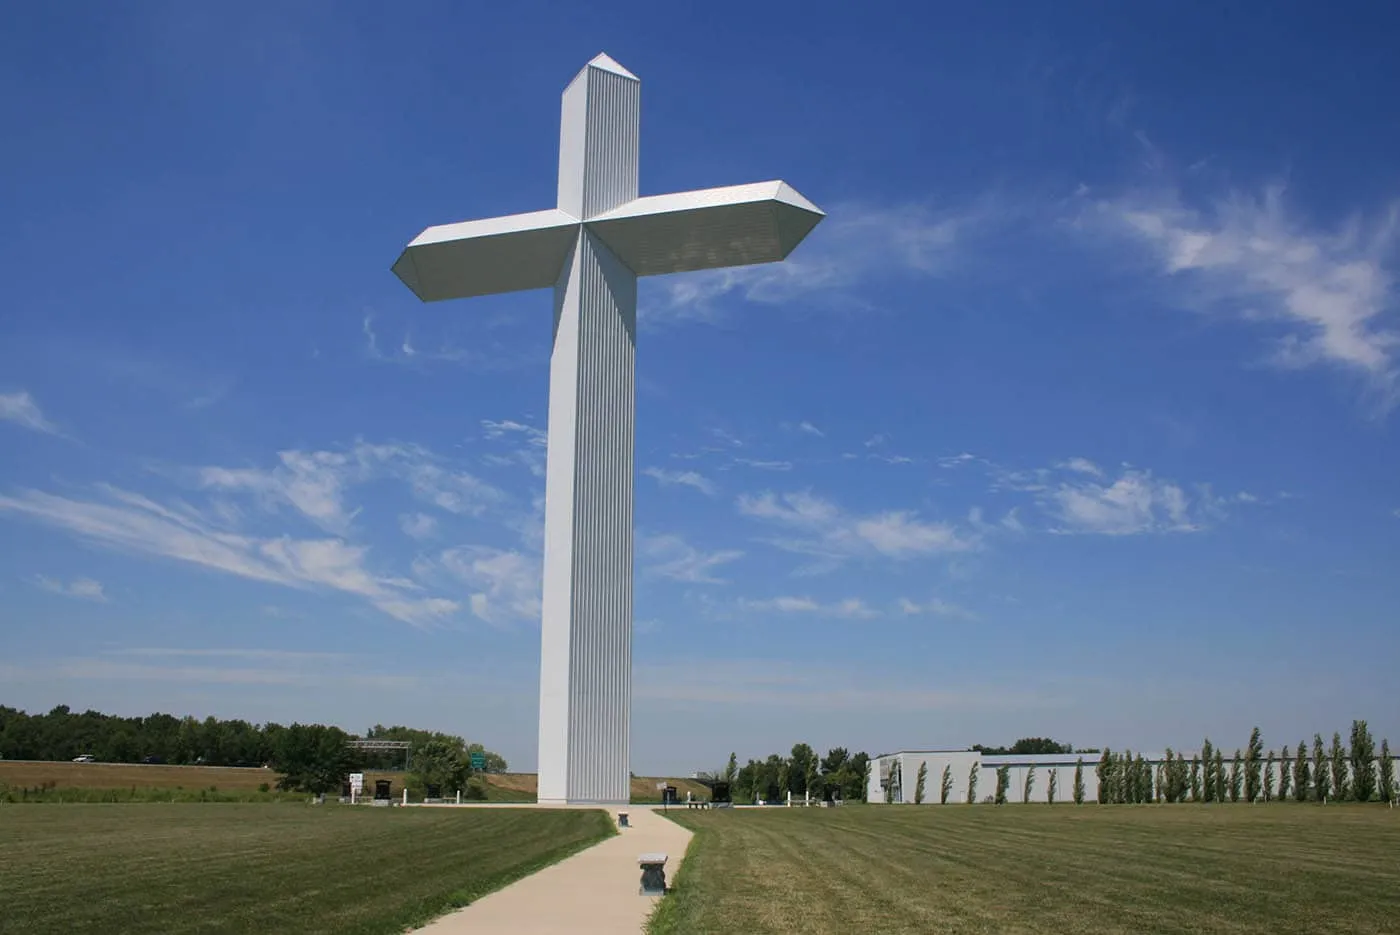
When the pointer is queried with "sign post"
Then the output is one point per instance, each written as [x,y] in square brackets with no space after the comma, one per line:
[357,786]
[664,797]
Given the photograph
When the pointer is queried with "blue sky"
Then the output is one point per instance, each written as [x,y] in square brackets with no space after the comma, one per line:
[1076,417]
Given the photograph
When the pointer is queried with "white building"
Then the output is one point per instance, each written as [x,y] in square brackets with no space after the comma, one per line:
[903,769]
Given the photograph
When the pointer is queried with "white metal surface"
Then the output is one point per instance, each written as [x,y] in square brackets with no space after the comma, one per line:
[591,249]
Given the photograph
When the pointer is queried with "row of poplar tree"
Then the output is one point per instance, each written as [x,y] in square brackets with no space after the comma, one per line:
[1350,772]
[1335,772]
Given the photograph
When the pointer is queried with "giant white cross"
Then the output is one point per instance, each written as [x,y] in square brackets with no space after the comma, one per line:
[591,249]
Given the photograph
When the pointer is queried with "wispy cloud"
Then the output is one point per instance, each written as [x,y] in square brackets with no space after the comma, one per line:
[131,523]
[418,525]
[761,465]
[82,588]
[507,583]
[314,483]
[821,529]
[1082,466]
[670,556]
[407,352]
[682,479]
[21,409]
[1078,496]
[1326,293]
[522,444]
[933,607]
[856,243]
[1135,503]
[852,608]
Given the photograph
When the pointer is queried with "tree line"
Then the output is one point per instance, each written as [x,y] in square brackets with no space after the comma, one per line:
[1351,771]
[839,774]
[310,757]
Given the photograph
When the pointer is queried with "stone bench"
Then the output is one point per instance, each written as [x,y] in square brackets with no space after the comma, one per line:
[653,874]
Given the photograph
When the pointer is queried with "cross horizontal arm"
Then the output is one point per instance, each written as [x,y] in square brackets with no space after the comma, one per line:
[714,227]
[471,258]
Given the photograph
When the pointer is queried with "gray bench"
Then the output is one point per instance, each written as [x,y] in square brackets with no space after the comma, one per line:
[653,874]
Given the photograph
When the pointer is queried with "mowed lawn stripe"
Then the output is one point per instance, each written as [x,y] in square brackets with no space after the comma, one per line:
[265,868]
[1089,869]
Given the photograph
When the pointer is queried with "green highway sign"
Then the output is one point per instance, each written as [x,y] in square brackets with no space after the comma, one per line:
[478,761]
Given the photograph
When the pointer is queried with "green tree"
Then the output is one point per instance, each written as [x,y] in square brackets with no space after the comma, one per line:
[920,781]
[892,791]
[1322,783]
[1208,757]
[1387,783]
[945,784]
[804,761]
[1003,783]
[1302,784]
[1104,772]
[1269,777]
[1252,756]
[1195,779]
[1077,790]
[1028,786]
[1285,764]
[312,758]
[1363,762]
[441,762]
[1236,777]
[1337,759]
[731,770]
[860,771]
[1052,785]
[972,774]
[1143,772]
[1168,784]
[1220,775]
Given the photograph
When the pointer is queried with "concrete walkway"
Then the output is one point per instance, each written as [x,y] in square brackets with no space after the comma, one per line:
[594,892]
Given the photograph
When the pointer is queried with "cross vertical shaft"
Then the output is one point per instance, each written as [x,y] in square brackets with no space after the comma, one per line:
[591,249]
[586,627]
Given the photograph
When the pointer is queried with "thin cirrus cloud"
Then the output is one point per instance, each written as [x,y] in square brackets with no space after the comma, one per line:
[1325,294]
[21,409]
[132,523]
[854,244]
[852,608]
[86,589]
[817,527]
[314,483]
[670,556]
[692,479]
[1076,495]
[505,582]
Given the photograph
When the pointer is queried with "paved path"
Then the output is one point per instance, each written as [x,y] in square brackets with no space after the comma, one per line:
[594,892]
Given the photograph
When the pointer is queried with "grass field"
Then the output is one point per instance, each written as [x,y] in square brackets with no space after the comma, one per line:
[501,787]
[1215,869]
[265,869]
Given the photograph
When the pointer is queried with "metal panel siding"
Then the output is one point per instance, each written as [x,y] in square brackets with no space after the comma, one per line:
[614,135]
[586,638]
[599,139]
[572,134]
[556,623]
